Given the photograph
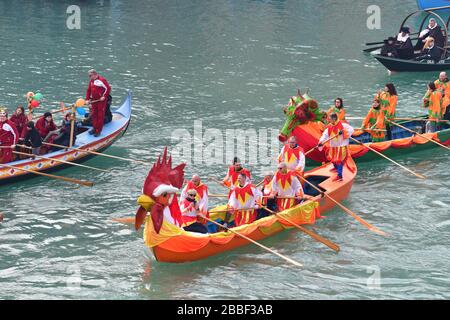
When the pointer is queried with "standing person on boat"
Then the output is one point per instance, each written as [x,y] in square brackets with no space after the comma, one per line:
[243,201]
[231,179]
[339,144]
[292,154]
[388,99]
[375,120]
[190,210]
[286,188]
[443,84]
[433,101]
[20,119]
[9,136]
[404,46]
[97,94]
[201,192]
[32,138]
[266,191]
[338,108]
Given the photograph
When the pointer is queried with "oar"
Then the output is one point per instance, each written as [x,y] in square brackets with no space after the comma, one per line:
[312,234]
[96,153]
[58,160]
[346,210]
[387,158]
[311,150]
[212,195]
[254,242]
[216,180]
[81,182]
[420,135]
[420,119]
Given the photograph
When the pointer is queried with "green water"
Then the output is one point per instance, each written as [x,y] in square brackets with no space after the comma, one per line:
[230,64]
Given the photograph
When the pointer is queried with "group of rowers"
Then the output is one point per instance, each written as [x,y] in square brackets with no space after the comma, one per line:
[20,132]
[383,109]
[280,191]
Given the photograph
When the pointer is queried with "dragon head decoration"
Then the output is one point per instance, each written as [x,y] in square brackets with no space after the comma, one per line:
[300,109]
[159,190]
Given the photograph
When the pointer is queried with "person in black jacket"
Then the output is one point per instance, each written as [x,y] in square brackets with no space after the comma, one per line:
[404,44]
[431,52]
[433,30]
[32,138]
[389,49]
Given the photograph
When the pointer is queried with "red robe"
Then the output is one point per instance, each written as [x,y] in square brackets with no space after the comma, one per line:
[233,174]
[96,89]
[21,123]
[8,136]
[44,127]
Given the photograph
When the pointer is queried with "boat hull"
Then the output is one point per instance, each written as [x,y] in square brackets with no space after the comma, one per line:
[400,65]
[111,132]
[262,228]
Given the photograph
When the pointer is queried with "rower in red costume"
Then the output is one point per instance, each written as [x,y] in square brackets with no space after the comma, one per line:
[292,154]
[45,126]
[231,179]
[9,136]
[201,193]
[97,94]
[20,120]
[159,195]
[243,200]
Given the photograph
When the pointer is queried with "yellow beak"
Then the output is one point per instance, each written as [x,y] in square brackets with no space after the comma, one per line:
[145,202]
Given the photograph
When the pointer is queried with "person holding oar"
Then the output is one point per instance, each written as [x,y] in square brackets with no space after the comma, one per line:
[293,156]
[201,192]
[32,138]
[45,125]
[97,94]
[375,119]
[433,101]
[9,136]
[286,188]
[231,179]
[338,145]
[243,201]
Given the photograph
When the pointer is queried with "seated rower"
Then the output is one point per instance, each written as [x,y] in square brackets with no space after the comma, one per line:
[339,144]
[243,201]
[374,122]
[62,135]
[430,51]
[338,108]
[32,138]
[44,126]
[286,188]
[20,120]
[190,210]
[432,101]
[266,201]
[9,136]
[231,179]
[292,155]
[201,192]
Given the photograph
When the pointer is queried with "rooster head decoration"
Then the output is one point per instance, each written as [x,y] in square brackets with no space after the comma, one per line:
[159,190]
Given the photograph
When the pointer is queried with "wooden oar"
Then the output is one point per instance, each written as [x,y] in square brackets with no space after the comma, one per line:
[254,242]
[420,135]
[81,182]
[217,180]
[310,233]
[421,119]
[212,195]
[387,158]
[311,150]
[346,210]
[96,153]
[58,160]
